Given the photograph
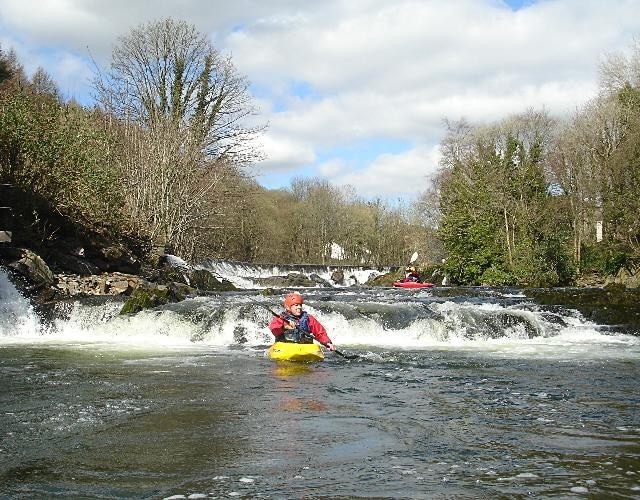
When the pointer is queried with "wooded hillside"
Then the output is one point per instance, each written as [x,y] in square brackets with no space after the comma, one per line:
[160,161]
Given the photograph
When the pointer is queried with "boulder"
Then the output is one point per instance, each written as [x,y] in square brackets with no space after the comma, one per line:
[319,281]
[629,277]
[120,287]
[34,268]
[150,295]
[385,279]
[291,280]
[337,277]
[205,281]
[117,258]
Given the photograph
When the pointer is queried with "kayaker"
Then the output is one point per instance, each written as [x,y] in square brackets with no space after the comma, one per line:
[298,325]
[412,275]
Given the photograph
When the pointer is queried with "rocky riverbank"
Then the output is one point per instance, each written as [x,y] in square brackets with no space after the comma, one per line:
[162,281]
[155,284]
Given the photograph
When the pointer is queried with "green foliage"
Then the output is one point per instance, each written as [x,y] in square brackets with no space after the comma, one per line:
[470,245]
[60,153]
[5,71]
[606,258]
[496,276]
[495,206]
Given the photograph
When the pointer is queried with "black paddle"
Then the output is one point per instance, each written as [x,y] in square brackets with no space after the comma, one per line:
[345,356]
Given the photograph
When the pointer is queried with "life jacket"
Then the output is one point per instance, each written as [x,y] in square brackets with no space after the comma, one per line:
[301,333]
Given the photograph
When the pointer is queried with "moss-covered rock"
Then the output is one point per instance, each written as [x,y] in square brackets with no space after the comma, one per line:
[203,280]
[612,305]
[386,279]
[145,298]
[149,295]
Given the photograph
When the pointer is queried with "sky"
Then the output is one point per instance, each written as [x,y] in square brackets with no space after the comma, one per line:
[355,91]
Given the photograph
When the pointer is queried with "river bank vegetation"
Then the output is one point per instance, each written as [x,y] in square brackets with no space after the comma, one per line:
[162,159]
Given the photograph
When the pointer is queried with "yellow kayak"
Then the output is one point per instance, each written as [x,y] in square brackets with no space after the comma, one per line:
[290,351]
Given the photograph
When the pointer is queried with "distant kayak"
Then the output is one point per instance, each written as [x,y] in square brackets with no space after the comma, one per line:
[290,351]
[412,284]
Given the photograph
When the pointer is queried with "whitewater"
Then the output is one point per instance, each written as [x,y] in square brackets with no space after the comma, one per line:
[456,392]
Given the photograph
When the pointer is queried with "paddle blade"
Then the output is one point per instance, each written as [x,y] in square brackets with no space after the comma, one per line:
[346,356]
[414,257]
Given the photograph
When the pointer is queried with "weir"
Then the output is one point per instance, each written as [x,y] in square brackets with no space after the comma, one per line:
[245,275]
[358,317]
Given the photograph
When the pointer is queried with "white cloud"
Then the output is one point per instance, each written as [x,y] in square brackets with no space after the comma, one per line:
[391,176]
[283,154]
[370,69]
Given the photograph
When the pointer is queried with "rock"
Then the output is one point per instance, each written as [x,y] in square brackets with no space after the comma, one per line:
[119,259]
[385,279]
[297,279]
[613,305]
[34,268]
[75,265]
[72,285]
[205,281]
[149,295]
[319,280]
[119,287]
[102,287]
[291,280]
[628,277]
[145,298]
[337,277]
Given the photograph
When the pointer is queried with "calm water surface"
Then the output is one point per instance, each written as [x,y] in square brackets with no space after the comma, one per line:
[101,421]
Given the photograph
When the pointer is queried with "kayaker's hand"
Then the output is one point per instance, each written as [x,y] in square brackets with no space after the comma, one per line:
[330,346]
[288,325]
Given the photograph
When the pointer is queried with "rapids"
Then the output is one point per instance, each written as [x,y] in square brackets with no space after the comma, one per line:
[457,392]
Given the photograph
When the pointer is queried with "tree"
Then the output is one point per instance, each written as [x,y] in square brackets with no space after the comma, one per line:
[318,220]
[5,70]
[180,108]
[61,154]
[12,72]
[494,202]
[167,72]
[596,164]
[576,164]
[42,83]
[620,177]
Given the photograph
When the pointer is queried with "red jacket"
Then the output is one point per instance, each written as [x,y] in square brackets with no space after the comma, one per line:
[317,330]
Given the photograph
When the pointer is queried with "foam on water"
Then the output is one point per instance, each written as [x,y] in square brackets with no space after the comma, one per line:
[17,317]
[358,319]
[245,275]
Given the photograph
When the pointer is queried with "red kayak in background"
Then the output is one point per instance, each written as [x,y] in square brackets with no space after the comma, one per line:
[412,284]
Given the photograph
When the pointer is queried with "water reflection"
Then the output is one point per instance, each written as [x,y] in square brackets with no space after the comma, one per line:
[285,369]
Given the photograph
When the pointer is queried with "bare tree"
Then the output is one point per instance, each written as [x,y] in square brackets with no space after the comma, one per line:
[166,71]
[617,71]
[182,108]
[167,183]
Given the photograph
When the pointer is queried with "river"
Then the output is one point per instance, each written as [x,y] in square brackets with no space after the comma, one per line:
[456,393]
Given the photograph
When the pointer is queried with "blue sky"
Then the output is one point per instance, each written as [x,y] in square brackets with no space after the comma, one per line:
[355,91]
